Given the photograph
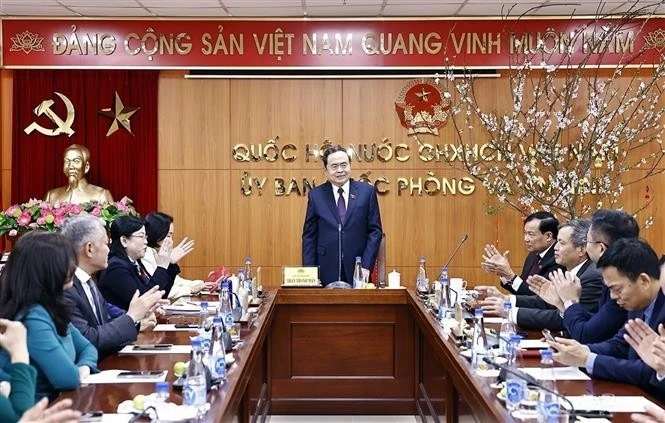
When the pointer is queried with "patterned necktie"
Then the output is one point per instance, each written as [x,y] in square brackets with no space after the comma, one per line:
[535,266]
[143,274]
[341,205]
[95,298]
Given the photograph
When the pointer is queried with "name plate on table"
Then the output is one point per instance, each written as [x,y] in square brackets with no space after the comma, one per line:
[300,277]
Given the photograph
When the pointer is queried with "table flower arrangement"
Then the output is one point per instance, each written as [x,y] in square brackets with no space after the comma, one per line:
[37,214]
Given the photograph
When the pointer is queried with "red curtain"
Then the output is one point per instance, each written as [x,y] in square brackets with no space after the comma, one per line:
[123,163]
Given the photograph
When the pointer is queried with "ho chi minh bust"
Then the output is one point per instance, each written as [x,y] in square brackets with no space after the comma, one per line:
[75,166]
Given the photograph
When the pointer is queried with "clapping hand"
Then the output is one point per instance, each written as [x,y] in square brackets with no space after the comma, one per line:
[545,289]
[492,306]
[13,340]
[60,412]
[647,343]
[164,253]
[654,414]
[491,291]
[185,247]
[567,286]
[496,263]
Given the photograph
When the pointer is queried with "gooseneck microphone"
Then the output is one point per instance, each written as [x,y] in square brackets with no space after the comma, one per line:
[532,381]
[462,241]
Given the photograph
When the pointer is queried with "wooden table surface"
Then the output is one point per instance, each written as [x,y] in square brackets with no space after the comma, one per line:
[460,392]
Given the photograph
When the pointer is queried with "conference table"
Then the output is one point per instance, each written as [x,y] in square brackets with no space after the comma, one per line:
[319,351]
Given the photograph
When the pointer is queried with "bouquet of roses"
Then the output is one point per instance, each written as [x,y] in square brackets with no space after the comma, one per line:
[37,214]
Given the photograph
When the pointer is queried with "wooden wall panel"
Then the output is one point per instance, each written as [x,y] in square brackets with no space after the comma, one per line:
[200,183]
[193,123]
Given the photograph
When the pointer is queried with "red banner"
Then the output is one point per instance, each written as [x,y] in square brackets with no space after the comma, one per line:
[329,44]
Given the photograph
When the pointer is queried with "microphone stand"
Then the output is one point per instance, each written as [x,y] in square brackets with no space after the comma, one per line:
[339,283]
[459,245]
[532,381]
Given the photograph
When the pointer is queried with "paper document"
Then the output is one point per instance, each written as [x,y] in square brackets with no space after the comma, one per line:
[111,376]
[611,403]
[560,373]
[185,309]
[175,349]
[533,343]
[173,328]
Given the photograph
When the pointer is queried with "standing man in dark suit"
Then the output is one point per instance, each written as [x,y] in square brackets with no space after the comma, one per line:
[540,231]
[107,327]
[341,209]
[631,272]
[532,312]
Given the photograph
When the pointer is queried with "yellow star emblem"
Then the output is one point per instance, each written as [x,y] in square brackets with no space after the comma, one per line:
[422,96]
[120,115]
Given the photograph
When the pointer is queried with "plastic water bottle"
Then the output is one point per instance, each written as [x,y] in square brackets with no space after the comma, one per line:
[194,390]
[548,403]
[249,275]
[217,360]
[422,282]
[479,342]
[358,278]
[507,329]
[225,309]
[162,390]
[446,307]
[515,387]
[204,334]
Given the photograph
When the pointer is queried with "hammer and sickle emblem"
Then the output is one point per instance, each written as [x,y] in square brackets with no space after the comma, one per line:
[44,108]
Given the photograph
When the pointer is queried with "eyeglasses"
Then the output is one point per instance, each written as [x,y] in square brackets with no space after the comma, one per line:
[588,241]
[141,236]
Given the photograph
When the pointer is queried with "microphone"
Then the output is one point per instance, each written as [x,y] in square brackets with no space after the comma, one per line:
[339,283]
[532,381]
[462,241]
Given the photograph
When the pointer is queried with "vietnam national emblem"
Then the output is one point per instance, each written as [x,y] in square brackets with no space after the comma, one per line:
[421,107]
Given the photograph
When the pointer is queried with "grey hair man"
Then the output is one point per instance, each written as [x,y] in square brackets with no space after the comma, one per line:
[533,312]
[106,326]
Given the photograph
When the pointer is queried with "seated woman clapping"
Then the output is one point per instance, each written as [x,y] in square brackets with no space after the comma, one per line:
[125,273]
[40,266]
[20,395]
[159,229]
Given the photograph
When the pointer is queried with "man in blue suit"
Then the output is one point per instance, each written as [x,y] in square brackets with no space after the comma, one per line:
[631,272]
[341,211]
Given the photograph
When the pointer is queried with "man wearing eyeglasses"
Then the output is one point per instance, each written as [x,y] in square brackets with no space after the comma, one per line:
[607,227]
[341,214]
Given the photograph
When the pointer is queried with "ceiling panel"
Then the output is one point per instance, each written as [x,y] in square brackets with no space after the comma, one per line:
[175,4]
[28,10]
[267,4]
[264,11]
[371,10]
[96,3]
[200,12]
[107,11]
[421,9]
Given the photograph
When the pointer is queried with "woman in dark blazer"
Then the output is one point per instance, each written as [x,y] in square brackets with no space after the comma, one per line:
[125,274]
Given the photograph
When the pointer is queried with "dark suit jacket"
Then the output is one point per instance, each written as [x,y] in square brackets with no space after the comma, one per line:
[534,313]
[586,327]
[619,362]
[111,334]
[120,279]
[547,265]
[361,231]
